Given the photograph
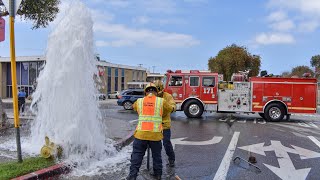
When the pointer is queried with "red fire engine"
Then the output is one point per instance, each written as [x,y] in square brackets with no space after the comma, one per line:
[272,97]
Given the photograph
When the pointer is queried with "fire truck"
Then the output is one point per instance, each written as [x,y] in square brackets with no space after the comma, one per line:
[272,98]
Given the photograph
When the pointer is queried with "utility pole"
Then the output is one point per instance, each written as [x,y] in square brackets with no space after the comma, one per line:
[13,7]
[153,68]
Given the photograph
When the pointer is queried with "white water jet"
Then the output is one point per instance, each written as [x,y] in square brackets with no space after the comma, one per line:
[67,109]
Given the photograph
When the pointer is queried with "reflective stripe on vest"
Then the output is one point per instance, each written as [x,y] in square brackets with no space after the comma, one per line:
[150,114]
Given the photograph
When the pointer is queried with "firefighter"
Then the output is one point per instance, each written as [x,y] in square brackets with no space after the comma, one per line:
[148,131]
[167,122]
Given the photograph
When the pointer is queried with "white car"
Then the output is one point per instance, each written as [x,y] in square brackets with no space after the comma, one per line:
[114,95]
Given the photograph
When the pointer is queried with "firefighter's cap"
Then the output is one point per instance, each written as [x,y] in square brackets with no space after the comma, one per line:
[151,87]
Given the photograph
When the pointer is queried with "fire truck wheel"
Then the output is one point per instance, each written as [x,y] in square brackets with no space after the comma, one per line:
[193,109]
[262,115]
[274,112]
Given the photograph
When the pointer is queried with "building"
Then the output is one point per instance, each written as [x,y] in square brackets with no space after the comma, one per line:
[151,77]
[112,77]
[28,69]
[117,77]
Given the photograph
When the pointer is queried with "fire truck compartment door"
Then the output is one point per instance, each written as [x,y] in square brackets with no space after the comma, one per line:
[235,100]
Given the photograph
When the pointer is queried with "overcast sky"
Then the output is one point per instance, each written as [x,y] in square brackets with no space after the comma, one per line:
[183,34]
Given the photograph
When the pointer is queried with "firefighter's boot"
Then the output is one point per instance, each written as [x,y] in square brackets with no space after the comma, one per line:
[131,178]
[157,177]
[171,163]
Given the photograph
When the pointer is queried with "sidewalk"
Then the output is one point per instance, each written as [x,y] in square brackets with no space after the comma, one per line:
[117,128]
[8,103]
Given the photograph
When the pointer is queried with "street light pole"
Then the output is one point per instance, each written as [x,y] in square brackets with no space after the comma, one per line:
[14,78]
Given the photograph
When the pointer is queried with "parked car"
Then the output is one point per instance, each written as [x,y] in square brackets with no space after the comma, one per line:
[113,95]
[128,97]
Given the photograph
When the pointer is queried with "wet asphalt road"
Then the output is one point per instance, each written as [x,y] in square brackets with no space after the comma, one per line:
[283,150]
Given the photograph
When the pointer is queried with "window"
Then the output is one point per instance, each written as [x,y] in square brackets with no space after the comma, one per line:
[109,80]
[32,72]
[194,81]
[138,93]
[127,93]
[116,83]
[109,71]
[122,72]
[9,80]
[116,72]
[40,67]
[164,81]
[122,79]
[24,73]
[175,81]
[18,64]
[208,81]
[109,84]
[122,83]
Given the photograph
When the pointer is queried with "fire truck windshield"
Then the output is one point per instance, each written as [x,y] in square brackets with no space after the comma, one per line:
[164,81]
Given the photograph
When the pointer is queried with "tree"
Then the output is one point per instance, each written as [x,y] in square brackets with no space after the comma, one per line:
[286,74]
[40,12]
[315,62]
[232,59]
[300,70]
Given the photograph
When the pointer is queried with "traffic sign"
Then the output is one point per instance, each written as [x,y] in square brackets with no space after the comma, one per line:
[2,29]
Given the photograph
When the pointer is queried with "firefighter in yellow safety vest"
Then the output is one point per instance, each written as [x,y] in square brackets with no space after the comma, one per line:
[150,109]
[167,122]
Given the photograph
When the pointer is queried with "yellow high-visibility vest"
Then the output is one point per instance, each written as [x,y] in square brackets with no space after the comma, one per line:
[150,109]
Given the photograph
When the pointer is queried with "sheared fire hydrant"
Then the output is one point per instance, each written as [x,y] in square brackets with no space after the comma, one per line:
[50,150]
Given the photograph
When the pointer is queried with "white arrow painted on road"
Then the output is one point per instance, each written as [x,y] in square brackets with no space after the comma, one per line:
[276,145]
[257,148]
[214,140]
[286,169]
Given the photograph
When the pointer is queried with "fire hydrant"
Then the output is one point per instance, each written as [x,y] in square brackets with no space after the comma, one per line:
[50,150]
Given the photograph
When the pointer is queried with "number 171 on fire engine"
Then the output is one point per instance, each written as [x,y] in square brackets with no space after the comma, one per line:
[208,90]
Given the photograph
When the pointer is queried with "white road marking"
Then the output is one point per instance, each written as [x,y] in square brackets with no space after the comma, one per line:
[263,122]
[214,140]
[313,139]
[222,172]
[286,169]
[313,125]
[223,120]
[132,121]
[242,121]
[303,124]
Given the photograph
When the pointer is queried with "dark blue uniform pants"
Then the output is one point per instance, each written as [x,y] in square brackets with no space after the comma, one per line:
[167,144]
[139,149]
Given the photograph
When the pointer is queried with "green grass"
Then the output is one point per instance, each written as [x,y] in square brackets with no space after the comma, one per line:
[10,170]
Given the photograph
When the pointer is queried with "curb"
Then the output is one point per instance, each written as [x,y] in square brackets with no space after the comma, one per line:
[9,105]
[46,173]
